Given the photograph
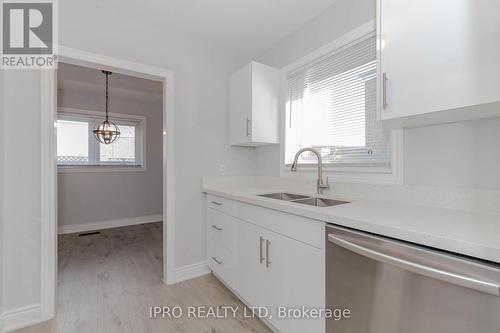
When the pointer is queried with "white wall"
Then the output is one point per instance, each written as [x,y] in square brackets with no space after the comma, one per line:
[464,154]
[338,19]
[21,185]
[95,197]
[460,155]
[2,252]
[201,102]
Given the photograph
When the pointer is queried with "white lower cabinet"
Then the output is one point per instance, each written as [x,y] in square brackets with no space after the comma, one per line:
[268,268]
[295,282]
[281,274]
[250,243]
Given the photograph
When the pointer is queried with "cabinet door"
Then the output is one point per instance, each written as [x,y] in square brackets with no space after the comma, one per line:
[251,269]
[241,106]
[438,55]
[254,95]
[290,275]
[265,99]
[294,278]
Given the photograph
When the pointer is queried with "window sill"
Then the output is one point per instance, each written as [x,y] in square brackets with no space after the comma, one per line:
[341,169]
[370,177]
[99,168]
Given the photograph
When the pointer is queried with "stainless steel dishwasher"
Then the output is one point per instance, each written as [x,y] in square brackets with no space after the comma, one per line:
[395,287]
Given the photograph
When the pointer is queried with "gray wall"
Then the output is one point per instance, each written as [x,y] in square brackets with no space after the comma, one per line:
[463,155]
[95,197]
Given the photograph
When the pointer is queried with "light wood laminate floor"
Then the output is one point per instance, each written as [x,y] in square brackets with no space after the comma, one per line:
[108,282]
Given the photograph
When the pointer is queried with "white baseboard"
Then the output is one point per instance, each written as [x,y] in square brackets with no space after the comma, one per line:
[21,317]
[83,227]
[191,271]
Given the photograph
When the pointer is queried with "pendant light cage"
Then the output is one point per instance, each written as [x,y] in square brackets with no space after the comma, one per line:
[106,132]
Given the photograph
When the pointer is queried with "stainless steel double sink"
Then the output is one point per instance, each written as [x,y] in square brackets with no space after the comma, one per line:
[303,199]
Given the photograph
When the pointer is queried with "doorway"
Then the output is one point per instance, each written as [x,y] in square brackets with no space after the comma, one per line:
[49,166]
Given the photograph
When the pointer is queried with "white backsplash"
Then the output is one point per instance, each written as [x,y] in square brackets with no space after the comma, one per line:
[485,201]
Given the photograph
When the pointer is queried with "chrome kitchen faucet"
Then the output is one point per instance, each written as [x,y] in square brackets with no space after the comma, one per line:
[320,185]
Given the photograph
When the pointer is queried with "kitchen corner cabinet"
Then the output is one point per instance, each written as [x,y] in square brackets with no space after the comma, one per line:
[439,61]
[275,260]
[254,96]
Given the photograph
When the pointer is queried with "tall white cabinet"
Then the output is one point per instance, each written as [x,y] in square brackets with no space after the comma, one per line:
[439,61]
[254,99]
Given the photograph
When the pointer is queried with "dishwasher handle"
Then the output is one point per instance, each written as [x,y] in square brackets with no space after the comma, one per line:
[438,274]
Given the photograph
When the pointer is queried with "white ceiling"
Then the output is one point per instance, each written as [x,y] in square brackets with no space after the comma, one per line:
[239,25]
[249,27]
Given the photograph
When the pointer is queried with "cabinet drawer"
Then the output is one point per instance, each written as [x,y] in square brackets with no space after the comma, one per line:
[220,228]
[296,227]
[221,262]
[220,204]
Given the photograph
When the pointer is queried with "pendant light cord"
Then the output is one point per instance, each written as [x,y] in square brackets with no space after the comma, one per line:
[107,96]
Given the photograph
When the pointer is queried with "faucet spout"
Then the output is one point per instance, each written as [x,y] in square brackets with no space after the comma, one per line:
[320,184]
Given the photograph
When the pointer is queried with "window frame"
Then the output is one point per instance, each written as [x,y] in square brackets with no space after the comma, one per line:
[340,173]
[126,119]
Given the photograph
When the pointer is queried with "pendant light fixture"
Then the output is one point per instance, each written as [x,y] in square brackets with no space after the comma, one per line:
[106,132]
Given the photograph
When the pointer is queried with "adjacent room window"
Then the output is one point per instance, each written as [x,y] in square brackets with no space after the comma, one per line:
[76,145]
[331,105]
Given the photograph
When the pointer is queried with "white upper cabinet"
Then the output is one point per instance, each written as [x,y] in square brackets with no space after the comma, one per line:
[254,96]
[439,61]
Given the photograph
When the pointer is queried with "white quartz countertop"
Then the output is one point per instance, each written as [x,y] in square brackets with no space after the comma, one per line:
[468,233]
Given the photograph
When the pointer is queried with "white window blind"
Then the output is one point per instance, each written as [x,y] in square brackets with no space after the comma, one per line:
[331,106]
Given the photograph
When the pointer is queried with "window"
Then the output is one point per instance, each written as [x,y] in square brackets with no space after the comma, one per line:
[76,145]
[331,106]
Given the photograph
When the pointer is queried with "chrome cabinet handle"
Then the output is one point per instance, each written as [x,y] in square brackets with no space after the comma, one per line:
[216,203]
[216,227]
[261,251]
[248,126]
[435,273]
[268,262]
[217,261]
[384,91]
